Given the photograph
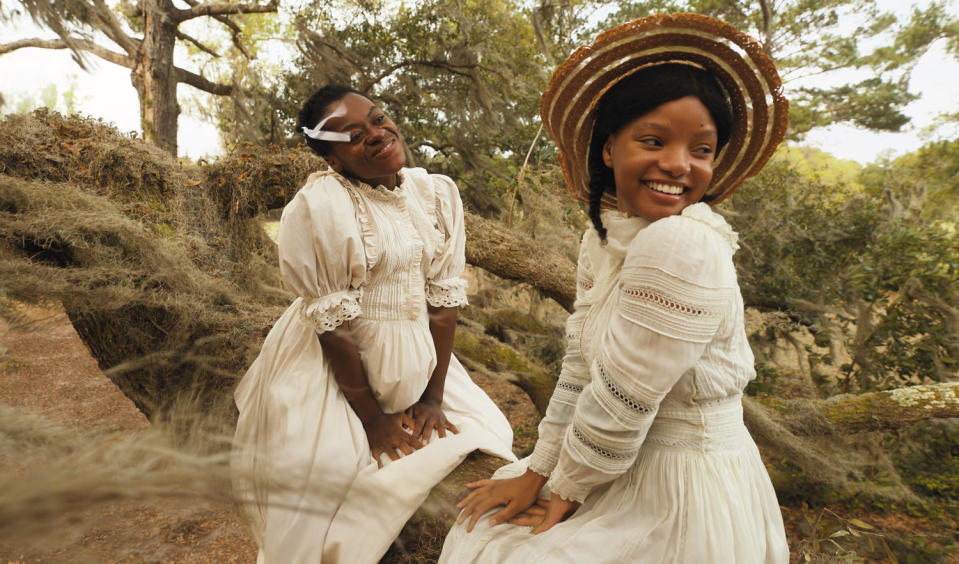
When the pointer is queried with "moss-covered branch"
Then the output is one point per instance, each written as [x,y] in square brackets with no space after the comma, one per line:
[891,409]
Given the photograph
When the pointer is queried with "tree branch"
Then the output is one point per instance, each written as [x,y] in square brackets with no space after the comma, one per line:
[113,29]
[235,30]
[512,256]
[197,44]
[891,409]
[82,44]
[212,10]
[203,84]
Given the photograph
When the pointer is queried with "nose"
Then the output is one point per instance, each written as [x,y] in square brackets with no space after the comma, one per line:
[375,134]
[675,161]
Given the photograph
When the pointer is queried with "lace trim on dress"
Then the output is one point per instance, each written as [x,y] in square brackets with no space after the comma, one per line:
[329,312]
[671,306]
[562,486]
[567,390]
[585,284]
[543,460]
[447,293]
[604,452]
[623,397]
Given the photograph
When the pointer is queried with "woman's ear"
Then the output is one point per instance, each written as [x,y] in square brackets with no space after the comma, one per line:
[608,152]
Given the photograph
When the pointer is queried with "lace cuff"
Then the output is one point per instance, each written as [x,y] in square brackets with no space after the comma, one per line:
[329,312]
[447,293]
[544,458]
[561,485]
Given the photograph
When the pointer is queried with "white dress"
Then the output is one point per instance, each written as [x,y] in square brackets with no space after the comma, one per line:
[301,460]
[645,425]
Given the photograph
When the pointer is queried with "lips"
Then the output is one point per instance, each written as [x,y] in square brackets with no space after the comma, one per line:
[387,146]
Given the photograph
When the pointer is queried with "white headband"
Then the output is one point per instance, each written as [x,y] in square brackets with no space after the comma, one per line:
[319,135]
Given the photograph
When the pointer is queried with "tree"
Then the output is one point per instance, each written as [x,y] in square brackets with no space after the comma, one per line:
[810,39]
[146,34]
[870,270]
[461,79]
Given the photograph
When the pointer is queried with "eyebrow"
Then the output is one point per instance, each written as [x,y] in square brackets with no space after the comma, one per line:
[357,124]
[711,132]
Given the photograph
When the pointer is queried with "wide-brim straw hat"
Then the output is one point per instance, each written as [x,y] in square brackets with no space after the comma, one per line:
[747,74]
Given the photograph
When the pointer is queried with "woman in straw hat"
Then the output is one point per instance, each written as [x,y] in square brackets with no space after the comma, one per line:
[358,373]
[642,455]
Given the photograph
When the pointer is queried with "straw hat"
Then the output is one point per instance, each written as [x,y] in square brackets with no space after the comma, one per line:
[760,112]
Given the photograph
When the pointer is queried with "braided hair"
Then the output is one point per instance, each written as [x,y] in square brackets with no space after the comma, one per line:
[315,108]
[637,95]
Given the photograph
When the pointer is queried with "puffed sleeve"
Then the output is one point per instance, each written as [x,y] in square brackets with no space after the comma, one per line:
[321,252]
[444,287]
[672,303]
[573,375]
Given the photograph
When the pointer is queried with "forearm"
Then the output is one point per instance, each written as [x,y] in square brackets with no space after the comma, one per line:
[443,329]
[340,349]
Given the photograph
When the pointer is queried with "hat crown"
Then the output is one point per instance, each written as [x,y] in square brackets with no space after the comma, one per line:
[760,111]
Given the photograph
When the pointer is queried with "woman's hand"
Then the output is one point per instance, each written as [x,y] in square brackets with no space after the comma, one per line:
[516,494]
[388,433]
[428,415]
[545,514]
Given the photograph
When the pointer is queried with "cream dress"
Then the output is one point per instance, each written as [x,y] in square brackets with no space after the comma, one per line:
[645,426]
[302,463]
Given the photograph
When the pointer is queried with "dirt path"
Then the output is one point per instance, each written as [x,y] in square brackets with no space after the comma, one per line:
[49,372]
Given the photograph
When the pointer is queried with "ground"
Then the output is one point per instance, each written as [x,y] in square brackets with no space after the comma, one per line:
[48,371]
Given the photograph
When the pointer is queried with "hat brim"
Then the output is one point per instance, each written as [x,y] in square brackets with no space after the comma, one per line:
[748,75]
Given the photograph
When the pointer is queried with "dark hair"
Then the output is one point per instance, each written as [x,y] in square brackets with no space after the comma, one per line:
[315,108]
[639,94]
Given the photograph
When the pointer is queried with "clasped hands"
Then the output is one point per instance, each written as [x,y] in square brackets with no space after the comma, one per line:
[519,497]
[406,431]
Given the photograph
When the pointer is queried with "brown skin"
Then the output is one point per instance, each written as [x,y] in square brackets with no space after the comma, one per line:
[427,413]
[375,155]
[386,433]
[672,147]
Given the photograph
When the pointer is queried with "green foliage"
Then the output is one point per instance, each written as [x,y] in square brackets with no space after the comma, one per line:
[50,97]
[851,260]
[925,182]
[927,458]
[462,80]
[819,38]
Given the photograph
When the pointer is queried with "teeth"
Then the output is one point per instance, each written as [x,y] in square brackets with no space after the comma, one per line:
[666,188]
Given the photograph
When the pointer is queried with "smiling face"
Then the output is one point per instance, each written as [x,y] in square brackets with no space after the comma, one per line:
[374,153]
[662,161]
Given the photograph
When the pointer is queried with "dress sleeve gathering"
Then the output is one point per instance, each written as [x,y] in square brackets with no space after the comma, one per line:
[671,304]
[573,376]
[321,252]
[444,286]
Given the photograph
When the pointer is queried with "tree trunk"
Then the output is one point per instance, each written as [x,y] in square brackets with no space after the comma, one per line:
[153,76]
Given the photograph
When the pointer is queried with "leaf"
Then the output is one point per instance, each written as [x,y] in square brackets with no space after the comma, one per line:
[841,533]
[192,183]
[861,524]
[892,557]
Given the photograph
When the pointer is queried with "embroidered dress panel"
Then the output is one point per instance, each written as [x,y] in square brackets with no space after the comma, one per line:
[374,257]
[654,445]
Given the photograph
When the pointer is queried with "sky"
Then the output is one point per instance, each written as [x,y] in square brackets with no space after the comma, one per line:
[106,92]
